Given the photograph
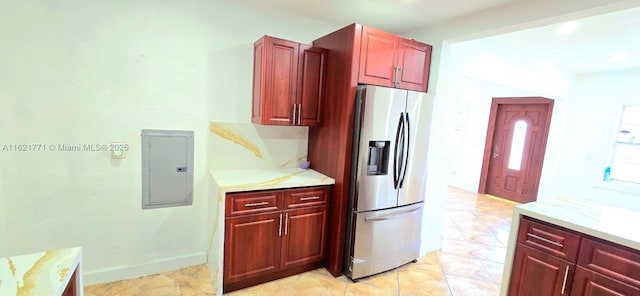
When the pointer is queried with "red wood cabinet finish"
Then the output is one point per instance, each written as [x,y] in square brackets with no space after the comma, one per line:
[267,242]
[349,63]
[601,268]
[551,239]
[414,59]
[252,202]
[303,240]
[538,273]
[590,283]
[393,61]
[251,246]
[616,262]
[311,83]
[70,290]
[288,82]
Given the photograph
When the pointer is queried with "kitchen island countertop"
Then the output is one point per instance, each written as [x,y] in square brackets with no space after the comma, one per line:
[613,224]
[42,273]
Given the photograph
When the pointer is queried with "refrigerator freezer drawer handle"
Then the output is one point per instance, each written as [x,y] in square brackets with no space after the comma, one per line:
[395,216]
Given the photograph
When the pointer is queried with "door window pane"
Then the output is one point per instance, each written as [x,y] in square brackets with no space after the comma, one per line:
[517,145]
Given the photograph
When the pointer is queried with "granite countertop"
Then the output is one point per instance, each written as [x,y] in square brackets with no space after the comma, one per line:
[42,273]
[262,179]
[614,224]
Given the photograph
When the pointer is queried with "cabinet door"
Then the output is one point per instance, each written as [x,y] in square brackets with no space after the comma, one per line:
[378,56]
[251,246]
[589,283]
[311,78]
[304,237]
[275,81]
[415,59]
[535,273]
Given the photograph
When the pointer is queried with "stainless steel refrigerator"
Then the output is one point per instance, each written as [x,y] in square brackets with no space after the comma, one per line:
[385,213]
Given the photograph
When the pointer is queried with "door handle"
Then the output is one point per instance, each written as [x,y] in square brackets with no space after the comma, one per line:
[256,204]
[396,168]
[299,112]
[286,224]
[406,149]
[280,226]
[295,106]
[495,151]
[564,282]
[390,217]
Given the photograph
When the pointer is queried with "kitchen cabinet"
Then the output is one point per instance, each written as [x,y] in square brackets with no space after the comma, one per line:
[288,82]
[551,260]
[389,60]
[272,234]
[71,289]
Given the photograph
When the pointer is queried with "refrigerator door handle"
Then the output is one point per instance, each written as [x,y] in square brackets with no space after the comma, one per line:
[394,216]
[406,150]
[396,164]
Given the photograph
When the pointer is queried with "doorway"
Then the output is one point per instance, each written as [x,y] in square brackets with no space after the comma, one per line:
[514,147]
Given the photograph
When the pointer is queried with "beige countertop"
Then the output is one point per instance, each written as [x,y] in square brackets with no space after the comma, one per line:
[263,179]
[612,224]
[42,273]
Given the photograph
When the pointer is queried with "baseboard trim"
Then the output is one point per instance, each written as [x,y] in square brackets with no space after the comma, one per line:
[122,272]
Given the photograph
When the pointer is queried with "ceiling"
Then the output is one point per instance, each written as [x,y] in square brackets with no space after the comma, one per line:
[395,16]
[596,44]
[588,49]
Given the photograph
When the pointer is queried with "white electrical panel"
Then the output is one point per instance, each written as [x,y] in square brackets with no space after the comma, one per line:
[167,168]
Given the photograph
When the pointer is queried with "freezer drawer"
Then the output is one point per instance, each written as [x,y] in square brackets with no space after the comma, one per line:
[385,239]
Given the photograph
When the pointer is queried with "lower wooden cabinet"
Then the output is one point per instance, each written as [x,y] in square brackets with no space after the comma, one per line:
[304,235]
[70,290]
[594,267]
[251,246]
[273,234]
[590,283]
[538,273]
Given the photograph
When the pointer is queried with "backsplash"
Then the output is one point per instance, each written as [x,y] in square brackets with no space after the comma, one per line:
[241,145]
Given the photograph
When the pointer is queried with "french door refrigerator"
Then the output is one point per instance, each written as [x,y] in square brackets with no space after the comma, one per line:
[384,219]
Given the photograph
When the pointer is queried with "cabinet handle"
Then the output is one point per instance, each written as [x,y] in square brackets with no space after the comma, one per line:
[295,106]
[309,198]
[564,282]
[395,76]
[286,223]
[256,204]
[398,75]
[544,239]
[280,226]
[299,112]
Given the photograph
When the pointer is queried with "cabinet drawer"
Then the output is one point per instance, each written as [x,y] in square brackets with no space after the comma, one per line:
[550,239]
[589,283]
[253,202]
[617,262]
[305,197]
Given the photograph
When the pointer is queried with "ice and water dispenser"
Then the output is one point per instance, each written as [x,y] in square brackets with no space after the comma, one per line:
[378,162]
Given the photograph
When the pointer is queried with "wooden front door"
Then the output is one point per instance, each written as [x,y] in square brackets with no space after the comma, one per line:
[515,146]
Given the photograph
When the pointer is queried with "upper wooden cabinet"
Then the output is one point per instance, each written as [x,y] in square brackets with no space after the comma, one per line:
[288,82]
[393,61]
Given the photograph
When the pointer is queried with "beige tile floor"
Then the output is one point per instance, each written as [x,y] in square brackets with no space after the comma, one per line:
[476,230]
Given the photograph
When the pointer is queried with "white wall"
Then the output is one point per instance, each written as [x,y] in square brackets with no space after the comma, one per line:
[78,72]
[591,127]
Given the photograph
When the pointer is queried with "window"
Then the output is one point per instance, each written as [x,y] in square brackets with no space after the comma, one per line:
[625,159]
[517,145]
